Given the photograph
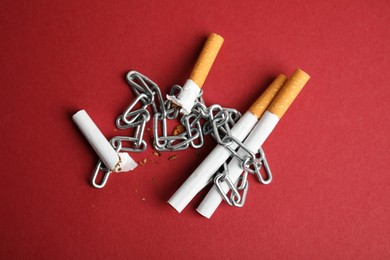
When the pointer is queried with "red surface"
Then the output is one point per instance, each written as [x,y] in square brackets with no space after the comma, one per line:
[330,153]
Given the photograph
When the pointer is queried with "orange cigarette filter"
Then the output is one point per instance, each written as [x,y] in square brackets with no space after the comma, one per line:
[261,104]
[206,59]
[289,92]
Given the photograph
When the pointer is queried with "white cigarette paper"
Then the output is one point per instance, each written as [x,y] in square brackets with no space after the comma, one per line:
[258,135]
[200,177]
[118,162]
[253,142]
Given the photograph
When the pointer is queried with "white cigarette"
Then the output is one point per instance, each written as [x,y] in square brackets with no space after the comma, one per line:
[118,162]
[187,97]
[201,176]
[257,137]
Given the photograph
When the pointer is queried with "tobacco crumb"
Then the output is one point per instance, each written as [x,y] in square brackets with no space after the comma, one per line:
[173,157]
[157,153]
[142,162]
[143,199]
[178,129]
[148,129]
[173,105]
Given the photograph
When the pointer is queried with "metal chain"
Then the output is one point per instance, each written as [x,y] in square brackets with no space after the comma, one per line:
[116,143]
[249,163]
[255,166]
[238,190]
[214,120]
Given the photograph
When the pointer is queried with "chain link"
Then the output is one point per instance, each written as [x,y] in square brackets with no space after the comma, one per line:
[236,199]
[101,168]
[249,163]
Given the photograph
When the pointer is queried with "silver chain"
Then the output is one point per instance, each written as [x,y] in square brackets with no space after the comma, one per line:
[238,190]
[100,168]
[214,120]
[249,163]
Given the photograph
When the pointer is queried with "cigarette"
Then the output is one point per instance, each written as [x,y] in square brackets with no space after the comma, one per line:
[113,161]
[193,85]
[204,172]
[257,137]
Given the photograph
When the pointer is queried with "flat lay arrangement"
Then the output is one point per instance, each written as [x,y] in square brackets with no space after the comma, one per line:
[194,129]
[239,138]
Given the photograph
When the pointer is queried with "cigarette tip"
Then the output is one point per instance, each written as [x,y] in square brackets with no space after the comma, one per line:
[170,202]
[289,92]
[78,113]
[204,214]
[302,73]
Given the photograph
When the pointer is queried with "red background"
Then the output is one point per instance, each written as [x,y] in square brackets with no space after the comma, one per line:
[329,198]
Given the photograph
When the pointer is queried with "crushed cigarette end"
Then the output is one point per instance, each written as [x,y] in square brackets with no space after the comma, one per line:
[173,157]
[178,129]
[142,162]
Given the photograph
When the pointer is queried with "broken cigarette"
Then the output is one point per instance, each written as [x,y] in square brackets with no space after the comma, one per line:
[113,161]
[201,176]
[193,85]
[257,137]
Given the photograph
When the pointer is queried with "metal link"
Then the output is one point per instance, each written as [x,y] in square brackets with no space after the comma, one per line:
[157,140]
[135,146]
[127,114]
[106,173]
[236,199]
[249,162]
[140,84]
[254,167]
[122,121]
[244,186]
[224,177]
[263,161]
[192,124]
[231,143]
[242,183]
[117,144]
